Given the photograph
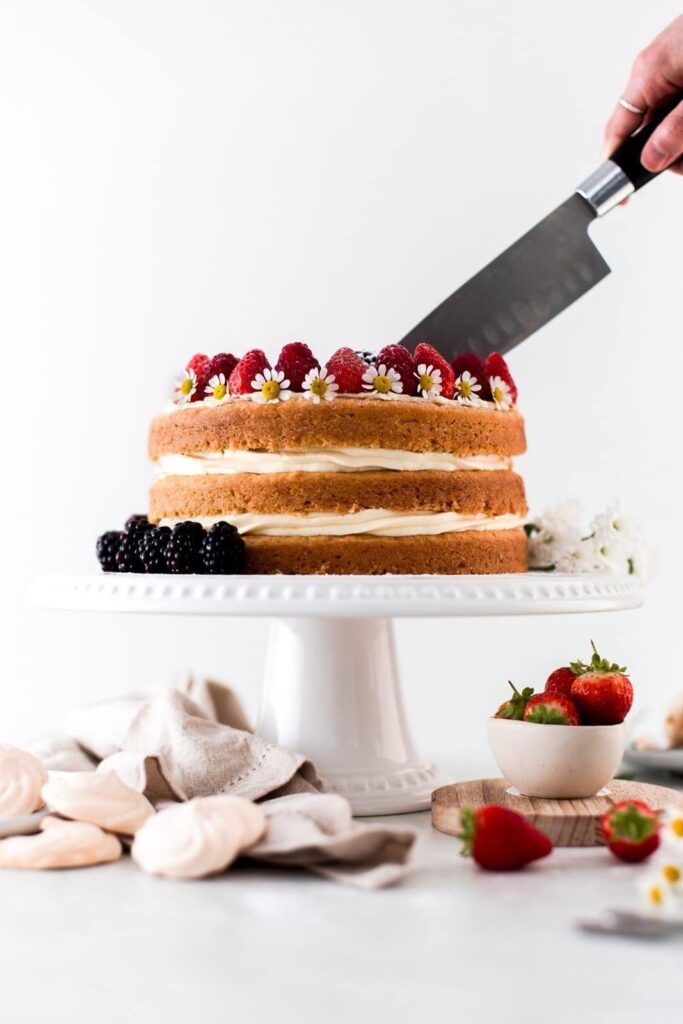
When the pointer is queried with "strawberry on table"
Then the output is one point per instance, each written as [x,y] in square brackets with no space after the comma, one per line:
[561,681]
[499,839]
[631,830]
[552,709]
[602,691]
[514,706]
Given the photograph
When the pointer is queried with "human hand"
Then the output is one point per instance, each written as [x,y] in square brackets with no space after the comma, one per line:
[657,74]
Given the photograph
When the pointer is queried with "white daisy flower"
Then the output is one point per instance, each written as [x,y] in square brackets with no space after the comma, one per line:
[270,387]
[383,380]
[466,388]
[186,387]
[500,393]
[319,384]
[217,389]
[672,829]
[428,381]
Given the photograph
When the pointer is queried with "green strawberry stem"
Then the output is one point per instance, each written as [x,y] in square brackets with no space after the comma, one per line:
[632,825]
[468,826]
[596,664]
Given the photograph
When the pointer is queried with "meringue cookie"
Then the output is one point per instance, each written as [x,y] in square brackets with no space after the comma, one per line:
[22,777]
[60,844]
[100,798]
[198,838]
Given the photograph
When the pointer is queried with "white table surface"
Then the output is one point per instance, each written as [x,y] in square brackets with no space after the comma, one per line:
[113,946]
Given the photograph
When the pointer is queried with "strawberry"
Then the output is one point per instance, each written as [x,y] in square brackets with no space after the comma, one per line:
[253,362]
[495,366]
[348,369]
[468,362]
[552,709]
[601,691]
[199,364]
[561,681]
[425,354]
[515,705]
[224,362]
[500,839]
[397,357]
[295,360]
[631,830]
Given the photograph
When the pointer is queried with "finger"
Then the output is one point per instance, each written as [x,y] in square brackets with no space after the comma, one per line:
[666,144]
[646,88]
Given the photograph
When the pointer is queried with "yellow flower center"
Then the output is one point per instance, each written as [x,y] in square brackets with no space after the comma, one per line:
[220,391]
[655,895]
[270,390]
[497,394]
[186,386]
[677,827]
[426,382]
[465,389]
[672,873]
[318,387]
[382,383]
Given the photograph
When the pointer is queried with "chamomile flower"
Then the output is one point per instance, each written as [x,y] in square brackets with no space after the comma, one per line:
[383,380]
[428,381]
[185,388]
[319,384]
[466,389]
[672,830]
[217,389]
[500,393]
[270,387]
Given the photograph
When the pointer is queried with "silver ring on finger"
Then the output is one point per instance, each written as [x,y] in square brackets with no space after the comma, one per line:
[631,107]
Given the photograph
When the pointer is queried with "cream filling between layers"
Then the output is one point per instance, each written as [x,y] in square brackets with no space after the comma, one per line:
[375,522]
[322,460]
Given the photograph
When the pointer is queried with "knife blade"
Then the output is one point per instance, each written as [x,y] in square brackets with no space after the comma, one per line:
[546,270]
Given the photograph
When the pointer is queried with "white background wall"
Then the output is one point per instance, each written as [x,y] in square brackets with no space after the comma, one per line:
[194,176]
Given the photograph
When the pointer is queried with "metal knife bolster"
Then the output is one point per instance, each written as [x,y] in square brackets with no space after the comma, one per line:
[606,187]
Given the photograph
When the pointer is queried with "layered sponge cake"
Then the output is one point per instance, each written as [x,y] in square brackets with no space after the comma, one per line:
[387,463]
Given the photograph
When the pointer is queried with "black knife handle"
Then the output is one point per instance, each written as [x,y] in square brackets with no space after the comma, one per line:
[627,156]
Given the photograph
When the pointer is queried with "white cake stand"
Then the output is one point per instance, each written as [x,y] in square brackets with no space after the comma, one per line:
[331,683]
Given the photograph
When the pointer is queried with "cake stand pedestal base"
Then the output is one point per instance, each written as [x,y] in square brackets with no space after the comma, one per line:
[332,692]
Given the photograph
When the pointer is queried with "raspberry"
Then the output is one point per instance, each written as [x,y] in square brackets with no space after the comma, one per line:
[473,364]
[107,549]
[430,357]
[200,364]
[397,357]
[222,550]
[128,555]
[495,366]
[183,547]
[348,369]
[253,362]
[152,547]
[295,360]
[224,362]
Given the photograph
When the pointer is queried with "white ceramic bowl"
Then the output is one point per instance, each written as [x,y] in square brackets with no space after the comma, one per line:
[556,761]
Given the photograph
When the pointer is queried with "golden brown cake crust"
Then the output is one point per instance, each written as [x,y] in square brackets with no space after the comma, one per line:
[494,551]
[489,492]
[418,426]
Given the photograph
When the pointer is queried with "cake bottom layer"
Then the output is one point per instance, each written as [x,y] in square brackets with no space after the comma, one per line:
[473,552]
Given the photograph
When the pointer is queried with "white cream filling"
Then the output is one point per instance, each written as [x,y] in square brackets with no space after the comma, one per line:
[376,522]
[322,460]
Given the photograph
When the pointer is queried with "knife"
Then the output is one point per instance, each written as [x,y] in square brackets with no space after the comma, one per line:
[546,270]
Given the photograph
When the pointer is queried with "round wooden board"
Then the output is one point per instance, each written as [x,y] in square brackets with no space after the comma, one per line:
[565,822]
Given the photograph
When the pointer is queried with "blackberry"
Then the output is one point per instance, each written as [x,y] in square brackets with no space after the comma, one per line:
[128,555]
[152,546]
[223,550]
[107,548]
[183,548]
[135,523]
[368,357]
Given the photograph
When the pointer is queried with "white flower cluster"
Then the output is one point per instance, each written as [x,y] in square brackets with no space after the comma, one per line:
[662,885]
[611,544]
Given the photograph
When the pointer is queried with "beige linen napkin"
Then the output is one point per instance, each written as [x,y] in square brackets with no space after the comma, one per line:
[194,740]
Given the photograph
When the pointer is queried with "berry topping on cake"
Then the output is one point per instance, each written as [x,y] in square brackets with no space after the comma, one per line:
[497,373]
[470,380]
[252,363]
[224,362]
[433,373]
[399,359]
[561,681]
[552,709]
[383,380]
[107,549]
[631,830]
[152,547]
[216,391]
[183,548]
[295,361]
[270,387]
[186,388]
[347,368]
[128,554]
[136,522]
[319,385]
[601,690]
[222,550]
[365,354]
[499,839]
[199,365]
